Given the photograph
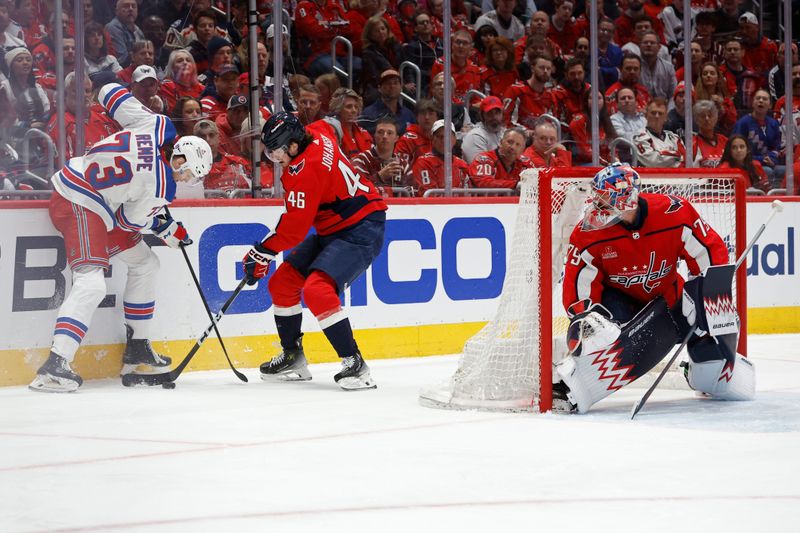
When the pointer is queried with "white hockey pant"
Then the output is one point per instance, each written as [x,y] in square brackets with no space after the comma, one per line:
[75,314]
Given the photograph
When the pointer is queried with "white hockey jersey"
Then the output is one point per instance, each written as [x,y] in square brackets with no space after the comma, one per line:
[123,177]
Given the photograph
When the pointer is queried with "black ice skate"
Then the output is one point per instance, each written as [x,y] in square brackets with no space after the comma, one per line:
[55,375]
[354,374]
[140,358]
[561,401]
[289,365]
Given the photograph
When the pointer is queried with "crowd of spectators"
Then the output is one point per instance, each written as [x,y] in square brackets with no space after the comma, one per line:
[519,70]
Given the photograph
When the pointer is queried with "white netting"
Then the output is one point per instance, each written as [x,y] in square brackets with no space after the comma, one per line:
[501,365]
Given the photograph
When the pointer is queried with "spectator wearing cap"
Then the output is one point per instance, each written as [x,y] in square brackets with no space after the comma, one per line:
[342,124]
[499,72]
[423,48]
[486,134]
[676,117]
[525,101]
[465,73]
[760,53]
[712,86]
[216,96]
[22,92]
[97,124]
[229,123]
[387,104]
[501,167]
[96,50]
[630,75]
[228,171]
[503,20]
[546,150]
[123,30]
[571,92]
[428,169]
[180,78]
[380,164]
[144,87]
[417,138]
[657,74]
[319,21]
[220,52]
[380,52]
[142,53]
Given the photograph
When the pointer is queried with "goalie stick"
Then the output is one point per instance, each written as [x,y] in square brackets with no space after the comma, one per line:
[205,304]
[168,377]
[777,207]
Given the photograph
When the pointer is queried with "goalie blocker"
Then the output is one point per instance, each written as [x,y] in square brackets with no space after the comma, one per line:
[605,356]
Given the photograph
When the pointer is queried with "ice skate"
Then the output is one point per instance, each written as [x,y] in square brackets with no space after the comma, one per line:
[354,374]
[140,358]
[561,402]
[55,375]
[289,365]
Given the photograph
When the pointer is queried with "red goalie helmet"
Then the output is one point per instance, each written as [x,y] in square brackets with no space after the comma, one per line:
[615,190]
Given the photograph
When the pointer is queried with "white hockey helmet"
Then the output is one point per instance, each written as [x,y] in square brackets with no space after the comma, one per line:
[198,157]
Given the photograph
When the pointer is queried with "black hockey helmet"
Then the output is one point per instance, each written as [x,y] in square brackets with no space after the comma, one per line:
[280,130]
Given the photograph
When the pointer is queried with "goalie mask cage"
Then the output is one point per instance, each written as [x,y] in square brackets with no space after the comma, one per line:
[507,365]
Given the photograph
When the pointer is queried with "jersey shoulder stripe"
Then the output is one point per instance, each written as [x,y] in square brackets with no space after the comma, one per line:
[115,98]
[74,180]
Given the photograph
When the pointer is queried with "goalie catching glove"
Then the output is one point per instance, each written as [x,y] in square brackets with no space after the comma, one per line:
[170,231]
[256,263]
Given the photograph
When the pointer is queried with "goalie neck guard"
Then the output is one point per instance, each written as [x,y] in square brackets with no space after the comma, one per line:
[615,191]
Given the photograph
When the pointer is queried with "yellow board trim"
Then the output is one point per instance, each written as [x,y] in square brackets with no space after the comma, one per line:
[104,361]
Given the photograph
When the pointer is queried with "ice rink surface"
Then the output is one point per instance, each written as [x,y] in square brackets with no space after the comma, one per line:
[219,455]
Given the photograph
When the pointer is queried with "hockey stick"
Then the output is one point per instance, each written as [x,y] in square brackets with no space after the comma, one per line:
[205,304]
[777,207]
[167,377]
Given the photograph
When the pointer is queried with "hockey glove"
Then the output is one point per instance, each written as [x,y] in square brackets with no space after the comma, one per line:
[171,232]
[256,263]
[577,329]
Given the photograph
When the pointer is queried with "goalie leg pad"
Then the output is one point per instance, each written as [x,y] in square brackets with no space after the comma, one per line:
[607,366]
[715,369]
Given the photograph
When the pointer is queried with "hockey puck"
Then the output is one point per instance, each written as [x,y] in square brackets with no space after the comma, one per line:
[168,385]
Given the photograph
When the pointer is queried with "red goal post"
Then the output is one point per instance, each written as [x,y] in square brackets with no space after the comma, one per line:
[508,364]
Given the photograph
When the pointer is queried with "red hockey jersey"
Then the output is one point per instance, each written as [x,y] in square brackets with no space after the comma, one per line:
[642,261]
[322,190]
[708,154]
[487,171]
[428,172]
[413,143]
[529,104]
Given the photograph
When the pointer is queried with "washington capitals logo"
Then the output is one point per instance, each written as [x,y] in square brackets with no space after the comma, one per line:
[294,170]
[675,204]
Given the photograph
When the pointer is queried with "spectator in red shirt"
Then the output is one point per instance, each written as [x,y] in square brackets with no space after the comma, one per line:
[546,150]
[499,73]
[180,79]
[570,95]
[500,168]
[697,62]
[484,36]
[142,53]
[707,145]
[466,73]
[760,53]
[563,30]
[625,23]
[629,77]
[228,171]
[229,124]
[97,125]
[416,141]
[780,106]
[319,21]
[226,82]
[428,170]
[739,154]
[742,83]
[187,112]
[346,106]
[524,102]
[380,164]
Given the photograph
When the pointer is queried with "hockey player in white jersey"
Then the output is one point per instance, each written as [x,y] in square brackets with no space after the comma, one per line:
[102,204]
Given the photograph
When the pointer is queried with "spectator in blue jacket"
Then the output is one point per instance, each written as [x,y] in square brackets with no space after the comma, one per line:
[388,104]
[609,54]
[764,134]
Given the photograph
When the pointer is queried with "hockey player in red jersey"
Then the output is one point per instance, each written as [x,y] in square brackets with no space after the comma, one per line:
[623,258]
[325,192]
[102,203]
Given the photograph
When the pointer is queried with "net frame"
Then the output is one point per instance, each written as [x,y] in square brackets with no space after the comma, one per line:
[536,348]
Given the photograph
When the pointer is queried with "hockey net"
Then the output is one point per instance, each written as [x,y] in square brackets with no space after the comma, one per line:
[507,365]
